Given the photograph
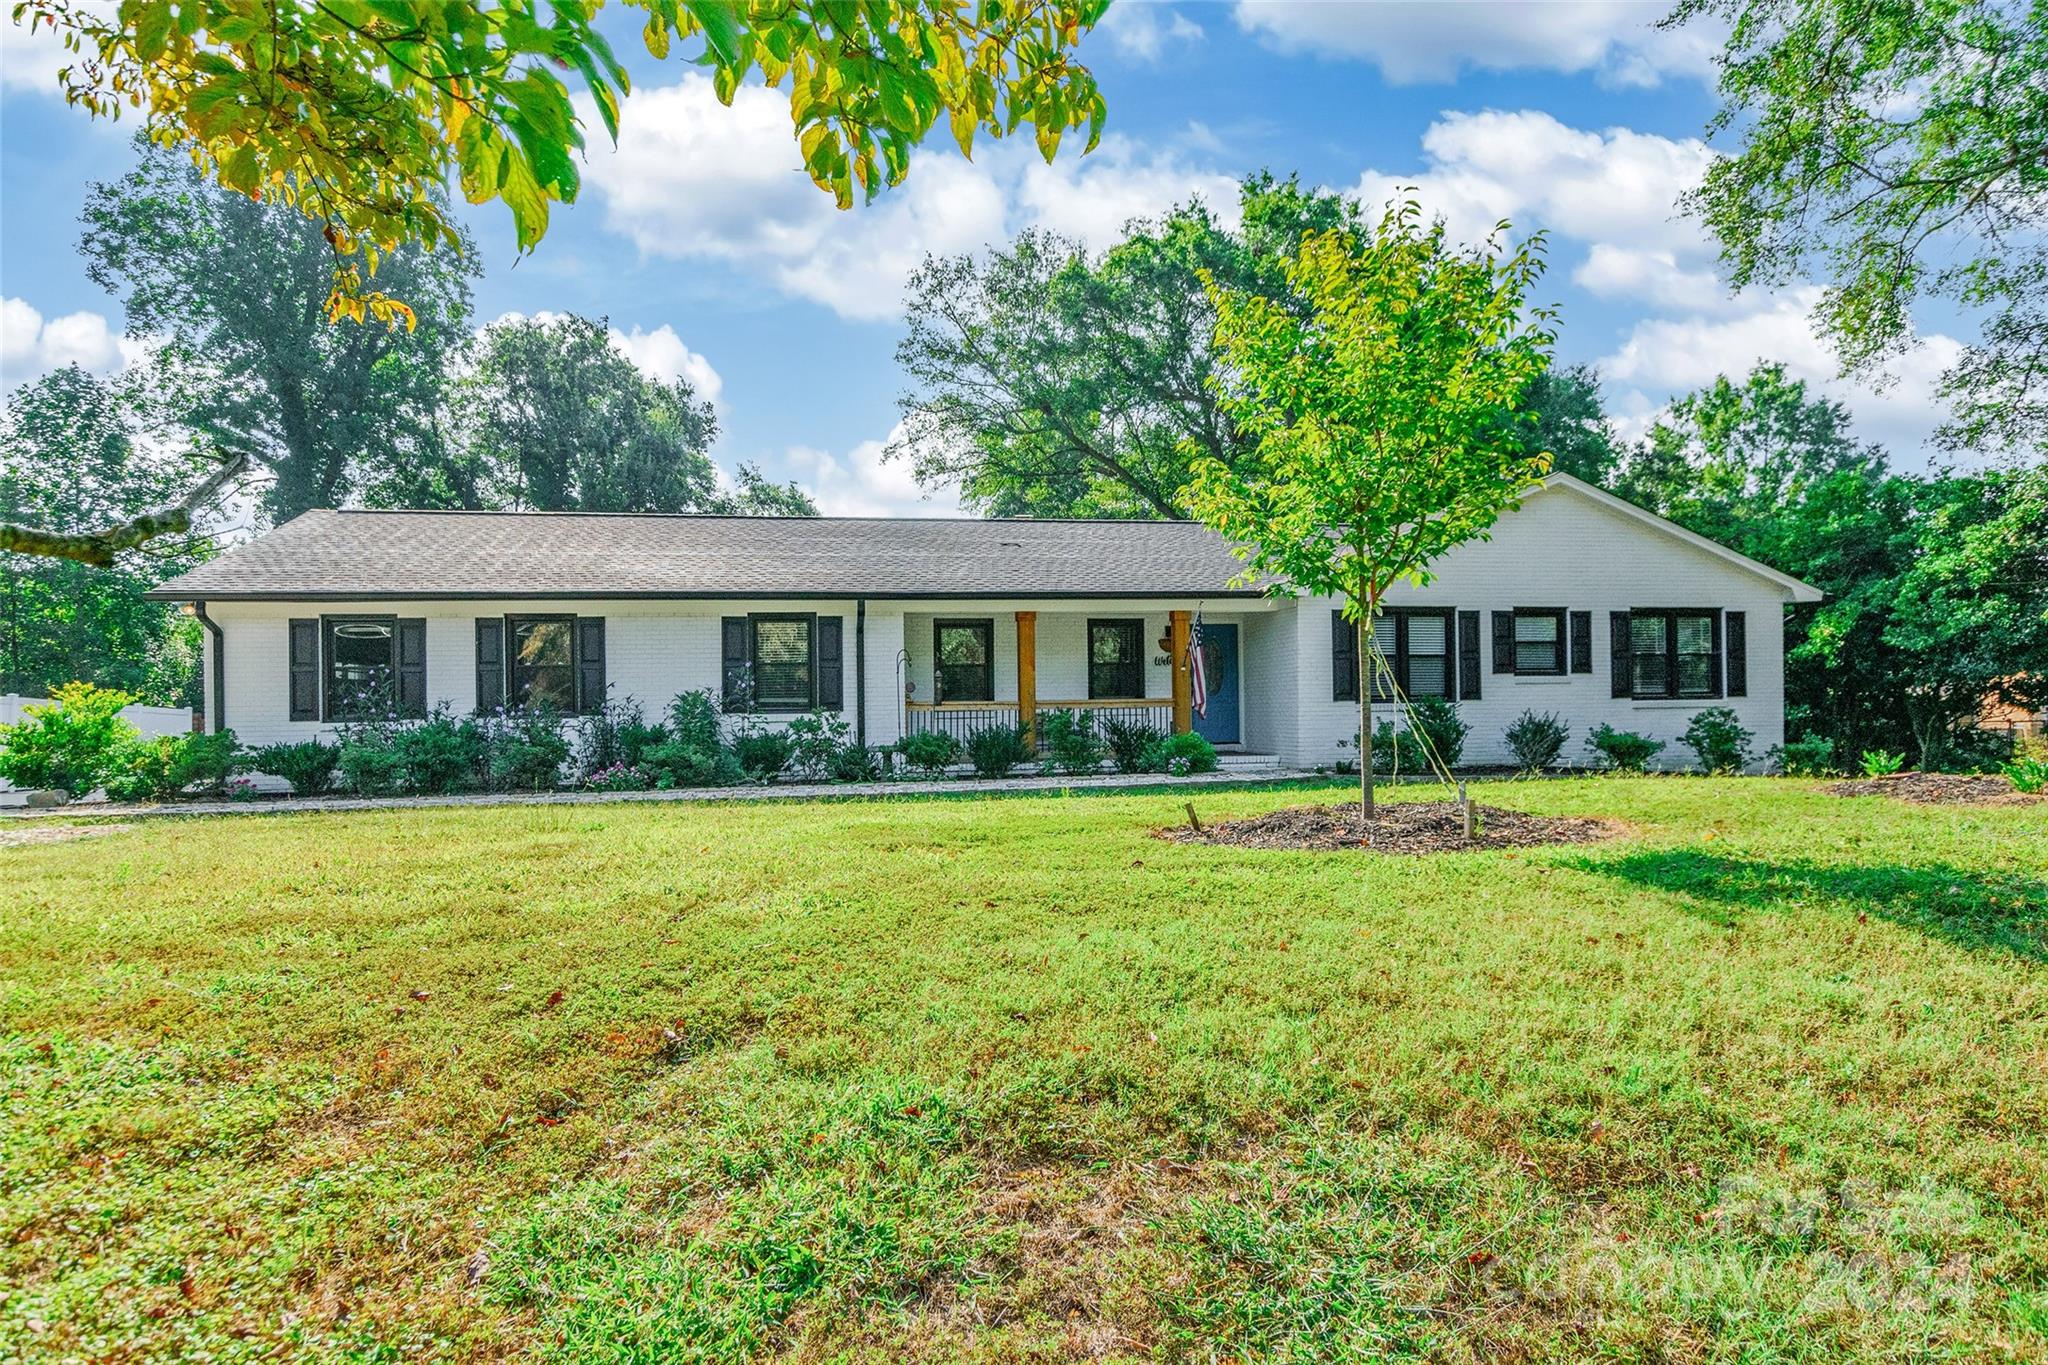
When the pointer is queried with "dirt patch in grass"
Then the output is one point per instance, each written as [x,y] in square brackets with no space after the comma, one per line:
[15,834]
[1941,789]
[1401,827]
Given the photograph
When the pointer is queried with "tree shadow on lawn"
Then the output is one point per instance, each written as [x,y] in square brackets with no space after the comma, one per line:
[1973,909]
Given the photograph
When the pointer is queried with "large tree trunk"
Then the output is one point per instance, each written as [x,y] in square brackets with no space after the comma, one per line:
[1364,729]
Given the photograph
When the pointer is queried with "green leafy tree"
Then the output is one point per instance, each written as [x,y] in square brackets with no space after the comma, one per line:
[556,418]
[73,454]
[1733,455]
[1570,424]
[357,114]
[1053,383]
[1375,414]
[324,411]
[1970,618]
[1896,150]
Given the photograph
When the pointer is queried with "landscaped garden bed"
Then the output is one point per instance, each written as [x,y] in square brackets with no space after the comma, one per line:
[1399,827]
[1941,789]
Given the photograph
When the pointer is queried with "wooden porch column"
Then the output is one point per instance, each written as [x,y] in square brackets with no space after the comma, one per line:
[1177,647]
[1027,675]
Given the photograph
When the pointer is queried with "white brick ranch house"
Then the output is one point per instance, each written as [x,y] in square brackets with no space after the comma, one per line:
[1578,604]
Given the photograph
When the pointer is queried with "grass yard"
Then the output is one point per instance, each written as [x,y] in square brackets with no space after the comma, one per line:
[1013,1081]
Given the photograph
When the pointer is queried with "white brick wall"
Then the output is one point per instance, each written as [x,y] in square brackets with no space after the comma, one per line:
[1561,550]
[1564,550]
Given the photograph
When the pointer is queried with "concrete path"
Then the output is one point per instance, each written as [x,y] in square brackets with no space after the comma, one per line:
[781,791]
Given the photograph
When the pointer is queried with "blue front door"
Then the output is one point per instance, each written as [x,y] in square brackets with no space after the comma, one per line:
[1219,665]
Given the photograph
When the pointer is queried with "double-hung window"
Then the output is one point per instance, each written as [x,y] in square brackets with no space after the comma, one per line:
[1674,653]
[1415,643]
[784,676]
[541,662]
[964,655]
[1539,641]
[1116,659]
[361,653]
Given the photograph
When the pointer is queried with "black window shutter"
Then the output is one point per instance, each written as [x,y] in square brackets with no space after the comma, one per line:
[1468,655]
[304,679]
[1621,663]
[412,666]
[1737,644]
[1582,641]
[1714,664]
[1343,658]
[829,660]
[490,663]
[737,657]
[590,696]
[1503,642]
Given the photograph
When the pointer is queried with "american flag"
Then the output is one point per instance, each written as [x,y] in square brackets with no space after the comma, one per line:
[1198,674]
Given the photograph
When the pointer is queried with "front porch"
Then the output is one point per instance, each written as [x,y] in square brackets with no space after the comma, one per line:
[964,671]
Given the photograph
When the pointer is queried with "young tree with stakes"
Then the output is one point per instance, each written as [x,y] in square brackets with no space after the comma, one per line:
[1383,417]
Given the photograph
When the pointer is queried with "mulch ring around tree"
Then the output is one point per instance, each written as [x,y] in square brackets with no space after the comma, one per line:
[1940,789]
[1397,827]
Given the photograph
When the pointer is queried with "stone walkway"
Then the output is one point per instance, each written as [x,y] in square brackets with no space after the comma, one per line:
[789,791]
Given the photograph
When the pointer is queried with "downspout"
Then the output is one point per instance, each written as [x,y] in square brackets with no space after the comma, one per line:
[217,713]
[860,671]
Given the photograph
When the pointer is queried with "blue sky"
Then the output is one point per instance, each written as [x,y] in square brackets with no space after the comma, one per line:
[713,257]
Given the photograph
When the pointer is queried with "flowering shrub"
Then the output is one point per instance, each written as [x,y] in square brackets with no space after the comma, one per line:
[619,777]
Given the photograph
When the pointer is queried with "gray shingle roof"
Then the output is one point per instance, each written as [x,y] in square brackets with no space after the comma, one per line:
[365,554]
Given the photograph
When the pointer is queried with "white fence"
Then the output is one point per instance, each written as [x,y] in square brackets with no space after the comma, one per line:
[150,720]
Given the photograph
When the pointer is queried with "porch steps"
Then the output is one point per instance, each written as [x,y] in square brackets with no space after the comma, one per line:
[1242,763]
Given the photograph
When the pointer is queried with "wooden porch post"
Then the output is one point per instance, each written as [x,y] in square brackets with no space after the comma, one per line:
[1177,647]
[1027,675]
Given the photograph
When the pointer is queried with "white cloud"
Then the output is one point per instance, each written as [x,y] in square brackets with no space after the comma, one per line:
[862,484]
[1142,30]
[1412,43]
[694,180]
[31,344]
[31,55]
[659,354]
[1662,357]
[1530,168]
[1651,275]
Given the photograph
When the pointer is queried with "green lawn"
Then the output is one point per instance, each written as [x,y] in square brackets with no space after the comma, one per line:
[1010,1080]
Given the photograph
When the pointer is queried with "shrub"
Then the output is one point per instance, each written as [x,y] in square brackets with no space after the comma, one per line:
[1397,751]
[206,761]
[159,768]
[695,721]
[1719,738]
[815,741]
[1881,762]
[995,749]
[1434,719]
[308,766]
[1813,756]
[140,770]
[67,741]
[856,763]
[528,751]
[1071,742]
[2027,773]
[1624,749]
[440,754]
[763,753]
[370,761]
[1537,740]
[930,752]
[1178,755]
[676,764]
[1131,744]
[615,735]
[619,777]
[1970,749]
